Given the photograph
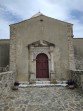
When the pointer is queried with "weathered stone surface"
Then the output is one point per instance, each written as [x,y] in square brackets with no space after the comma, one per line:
[42,99]
[77,75]
[6,81]
[78,52]
[4,54]
[49,32]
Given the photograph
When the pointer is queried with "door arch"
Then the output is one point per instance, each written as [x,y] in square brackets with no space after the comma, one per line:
[42,70]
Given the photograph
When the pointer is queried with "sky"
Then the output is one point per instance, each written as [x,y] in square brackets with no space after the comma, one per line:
[13,11]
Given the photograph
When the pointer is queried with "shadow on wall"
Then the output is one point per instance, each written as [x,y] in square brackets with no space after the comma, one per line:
[78,59]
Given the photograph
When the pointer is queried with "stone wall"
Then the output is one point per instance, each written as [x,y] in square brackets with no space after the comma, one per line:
[78,52]
[4,53]
[6,81]
[71,54]
[71,49]
[77,75]
[12,49]
[29,31]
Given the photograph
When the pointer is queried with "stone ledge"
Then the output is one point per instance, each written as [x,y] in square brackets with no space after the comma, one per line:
[8,72]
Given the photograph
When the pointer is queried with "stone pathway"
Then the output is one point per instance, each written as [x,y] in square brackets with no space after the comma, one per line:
[42,99]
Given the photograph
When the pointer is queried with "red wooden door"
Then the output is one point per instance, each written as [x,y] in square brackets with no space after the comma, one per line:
[42,66]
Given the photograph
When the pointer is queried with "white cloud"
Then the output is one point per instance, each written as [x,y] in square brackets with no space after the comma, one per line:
[4,29]
[78,30]
[59,9]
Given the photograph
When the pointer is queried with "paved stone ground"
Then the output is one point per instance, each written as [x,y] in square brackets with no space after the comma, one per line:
[42,99]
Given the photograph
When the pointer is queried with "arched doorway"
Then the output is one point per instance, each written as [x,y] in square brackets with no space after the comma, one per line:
[42,70]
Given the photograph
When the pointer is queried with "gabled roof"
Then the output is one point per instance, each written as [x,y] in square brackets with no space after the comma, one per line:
[40,14]
[37,14]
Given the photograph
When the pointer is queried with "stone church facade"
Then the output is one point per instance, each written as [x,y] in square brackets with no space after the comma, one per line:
[43,48]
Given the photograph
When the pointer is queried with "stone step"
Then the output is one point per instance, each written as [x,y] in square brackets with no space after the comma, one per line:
[42,82]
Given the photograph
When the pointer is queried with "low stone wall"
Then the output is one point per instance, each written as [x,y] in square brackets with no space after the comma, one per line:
[4,69]
[77,75]
[6,81]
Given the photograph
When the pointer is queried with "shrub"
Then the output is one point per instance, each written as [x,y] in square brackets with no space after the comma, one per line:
[71,82]
[16,83]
